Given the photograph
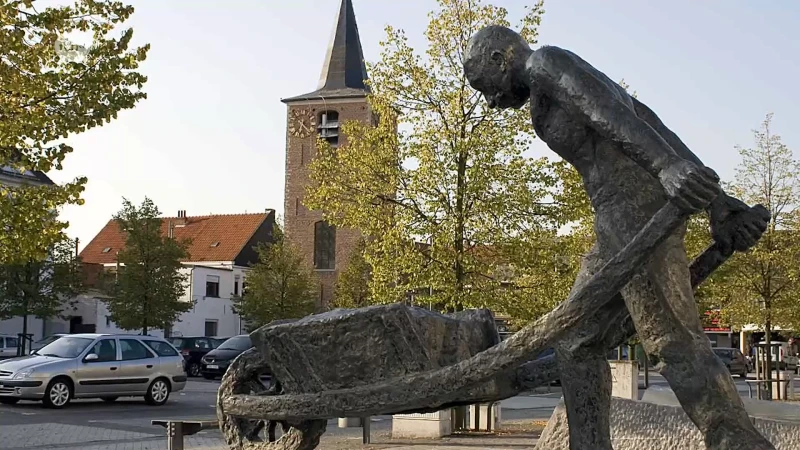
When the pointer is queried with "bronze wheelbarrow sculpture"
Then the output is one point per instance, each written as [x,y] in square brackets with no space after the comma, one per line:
[492,374]
[643,183]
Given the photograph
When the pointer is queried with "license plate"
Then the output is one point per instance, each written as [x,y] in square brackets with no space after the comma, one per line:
[212,366]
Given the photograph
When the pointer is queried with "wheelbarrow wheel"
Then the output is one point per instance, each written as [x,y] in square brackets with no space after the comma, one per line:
[242,377]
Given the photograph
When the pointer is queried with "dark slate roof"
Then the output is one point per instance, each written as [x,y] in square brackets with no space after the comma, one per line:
[36,177]
[344,71]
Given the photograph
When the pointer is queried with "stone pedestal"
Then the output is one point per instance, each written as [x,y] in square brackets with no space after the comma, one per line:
[431,425]
[349,422]
[644,426]
[484,417]
[625,379]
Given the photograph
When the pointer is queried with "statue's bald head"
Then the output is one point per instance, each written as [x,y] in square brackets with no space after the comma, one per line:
[494,64]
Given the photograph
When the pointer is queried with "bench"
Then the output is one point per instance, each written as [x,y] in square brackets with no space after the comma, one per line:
[178,428]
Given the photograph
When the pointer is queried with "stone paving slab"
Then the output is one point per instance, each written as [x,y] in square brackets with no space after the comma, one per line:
[48,435]
[213,441]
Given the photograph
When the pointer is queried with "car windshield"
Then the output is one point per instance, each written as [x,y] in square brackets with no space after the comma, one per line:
[46,341]
[240,343]
[723,353]
[66,347]
[177,342]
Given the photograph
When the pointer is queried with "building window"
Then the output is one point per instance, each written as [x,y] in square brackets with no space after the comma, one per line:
[236,285]
[108,321]
[297,206]
[302,154]
[211,328]
[212,286]
[324,246]
[329,127]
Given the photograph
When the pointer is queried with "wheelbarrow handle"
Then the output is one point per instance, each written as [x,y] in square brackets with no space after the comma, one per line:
[716,254]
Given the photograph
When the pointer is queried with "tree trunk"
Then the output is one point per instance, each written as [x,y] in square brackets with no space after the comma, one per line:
[461,188]
[23,344]
[22,348]
[768,362]
[144,315]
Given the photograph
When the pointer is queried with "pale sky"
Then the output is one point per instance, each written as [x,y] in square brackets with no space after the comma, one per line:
[211,136]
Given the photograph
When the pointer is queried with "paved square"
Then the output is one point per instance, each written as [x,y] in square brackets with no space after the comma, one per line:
[52,434]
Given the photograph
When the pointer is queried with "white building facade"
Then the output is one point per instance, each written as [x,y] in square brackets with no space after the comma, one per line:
[37,327]
[210,288]
[221,253]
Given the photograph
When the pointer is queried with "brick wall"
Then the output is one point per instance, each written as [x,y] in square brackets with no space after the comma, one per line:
[298,220]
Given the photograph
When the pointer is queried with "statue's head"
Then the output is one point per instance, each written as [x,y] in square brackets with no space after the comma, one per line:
[495,66]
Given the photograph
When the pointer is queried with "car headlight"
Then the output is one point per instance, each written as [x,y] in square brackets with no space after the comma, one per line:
[22,374]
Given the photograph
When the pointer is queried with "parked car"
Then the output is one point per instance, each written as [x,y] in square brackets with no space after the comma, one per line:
[47,340]
[192,349]
[734,360]
[216,362]
[217,341]
[548,352]
[94,366]
[8,346]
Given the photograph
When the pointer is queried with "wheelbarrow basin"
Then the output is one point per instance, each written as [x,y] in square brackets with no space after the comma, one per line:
[346,348]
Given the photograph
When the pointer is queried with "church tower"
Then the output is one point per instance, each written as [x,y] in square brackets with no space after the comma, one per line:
[340,96]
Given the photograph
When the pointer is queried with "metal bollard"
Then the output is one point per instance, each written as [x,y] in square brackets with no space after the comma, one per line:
[365,429]
[175,436]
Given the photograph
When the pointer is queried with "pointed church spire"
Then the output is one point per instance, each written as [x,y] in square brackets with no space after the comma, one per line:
[344,70]
[344,63]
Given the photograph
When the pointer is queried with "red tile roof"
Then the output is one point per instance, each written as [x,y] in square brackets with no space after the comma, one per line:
[231,232]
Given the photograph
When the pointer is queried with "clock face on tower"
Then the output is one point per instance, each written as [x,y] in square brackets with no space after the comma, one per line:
[302,123]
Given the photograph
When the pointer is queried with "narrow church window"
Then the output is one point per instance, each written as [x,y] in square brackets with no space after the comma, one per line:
[324,246]
[302,154]
[329,127]
[296,206]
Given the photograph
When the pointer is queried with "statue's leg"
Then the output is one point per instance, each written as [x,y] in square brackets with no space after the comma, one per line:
[663,309]
[584,371]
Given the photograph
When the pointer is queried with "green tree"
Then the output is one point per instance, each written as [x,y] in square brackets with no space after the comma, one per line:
[148,289]
[762,286]
[352,286]
[279,285]
[49,91]
[439,184]
[40,288]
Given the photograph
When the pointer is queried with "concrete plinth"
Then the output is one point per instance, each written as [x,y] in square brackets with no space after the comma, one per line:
[645,426]
[349,422]
[784,387]
[484,417]
[432,425]
[625,379]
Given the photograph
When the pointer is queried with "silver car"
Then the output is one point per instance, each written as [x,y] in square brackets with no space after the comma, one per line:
[94,366]
[8,346]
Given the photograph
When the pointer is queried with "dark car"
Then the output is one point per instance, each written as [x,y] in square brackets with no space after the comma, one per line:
[733,359]
[216,362]
[548,352]
[193,349]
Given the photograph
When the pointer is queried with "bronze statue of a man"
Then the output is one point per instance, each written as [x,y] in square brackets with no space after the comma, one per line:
[631,165]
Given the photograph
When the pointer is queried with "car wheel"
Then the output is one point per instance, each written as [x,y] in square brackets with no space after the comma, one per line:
[58,393]
[158,392]
[193,370]
[9,400]
[110,399]
[208,376]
